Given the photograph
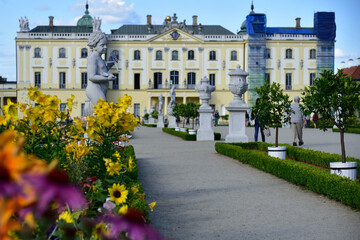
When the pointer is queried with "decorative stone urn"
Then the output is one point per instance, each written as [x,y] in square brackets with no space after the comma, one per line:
[237,108]
[205,132]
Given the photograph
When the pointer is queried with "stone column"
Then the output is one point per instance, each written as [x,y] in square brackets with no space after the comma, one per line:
[237,108]
[205,132]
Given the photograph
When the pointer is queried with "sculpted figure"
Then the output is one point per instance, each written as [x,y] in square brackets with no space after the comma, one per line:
[98,70]
[172,100]
[161,103]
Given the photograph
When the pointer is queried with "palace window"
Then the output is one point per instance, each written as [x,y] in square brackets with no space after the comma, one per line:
[83,80]
[62,80]
[174,55]
[191,55]
[312,54]
[83,109]
[38,79]
[174,78]
[288,81]
[312,78]
[62,107]
[191,80]
[267,53]
[267,78]
[137,55]
[288,53]
[37,52]
[84,53]
[116,81]
[233,56]
[62,53]
[158,55]
[136,109]
[212,79]
[212,55]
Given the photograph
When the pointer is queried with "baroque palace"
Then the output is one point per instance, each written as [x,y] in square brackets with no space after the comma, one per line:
[151,58]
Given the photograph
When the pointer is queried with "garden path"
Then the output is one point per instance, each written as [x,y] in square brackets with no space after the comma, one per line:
[204,195]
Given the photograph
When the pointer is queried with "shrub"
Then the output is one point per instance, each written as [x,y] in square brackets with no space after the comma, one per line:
[186,136]
[318,180]
[150,125]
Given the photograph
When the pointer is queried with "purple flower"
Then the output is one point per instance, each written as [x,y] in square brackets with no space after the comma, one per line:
[55,186]
[133,223]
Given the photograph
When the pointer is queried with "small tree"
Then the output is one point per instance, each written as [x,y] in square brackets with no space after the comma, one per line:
[146,116]
[272,107]
[192,111]
[336,98]
[155,114]
[176,112]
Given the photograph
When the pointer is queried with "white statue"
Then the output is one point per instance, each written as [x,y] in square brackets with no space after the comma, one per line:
[24,24]
[161,103]
[98,70]
[172,100]
[96,24]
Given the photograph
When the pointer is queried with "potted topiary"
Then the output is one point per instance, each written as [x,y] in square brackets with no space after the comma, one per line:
[192,113]
[272,107]
[146,117]
[335,97]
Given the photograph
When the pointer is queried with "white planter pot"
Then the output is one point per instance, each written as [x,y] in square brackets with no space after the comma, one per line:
[347,169]
[177,129]
[192,131]
[279,152]
[183,129]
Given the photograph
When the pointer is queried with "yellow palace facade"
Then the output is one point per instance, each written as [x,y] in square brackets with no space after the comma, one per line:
[152,58]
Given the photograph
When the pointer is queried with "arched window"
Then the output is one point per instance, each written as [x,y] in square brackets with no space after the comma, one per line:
[288,53]
[267,53]
[288,81]
[191,55]
[174,55]
[137,55]
[114,55]
[158,55]
[37,52]
[84,53]
[233,56]
[212,55]
[174,78]
[191,80]
[62,53]
[312,54]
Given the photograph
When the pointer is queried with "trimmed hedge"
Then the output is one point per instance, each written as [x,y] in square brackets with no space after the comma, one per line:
[186,136]
[318,158]
[348,130]
[315,179]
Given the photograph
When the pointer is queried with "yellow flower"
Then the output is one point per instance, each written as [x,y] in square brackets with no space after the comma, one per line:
[99,230]
[66,217]
[134,189]
[10,109]
[152,205]
[107,161]
[131,164]
[70,102]
[118,193]
[123,210]
[113,168]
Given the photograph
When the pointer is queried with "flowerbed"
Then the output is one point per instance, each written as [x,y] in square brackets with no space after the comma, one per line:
[313,178]
[187,136]
[57,184]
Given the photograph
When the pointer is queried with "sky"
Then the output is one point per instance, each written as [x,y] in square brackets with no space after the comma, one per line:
[227,13]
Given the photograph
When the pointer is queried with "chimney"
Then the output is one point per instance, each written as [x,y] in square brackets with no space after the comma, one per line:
[148,20]
[195,20]
[51,21]
[358,60]
[350,62]
[298,22]
[342,64]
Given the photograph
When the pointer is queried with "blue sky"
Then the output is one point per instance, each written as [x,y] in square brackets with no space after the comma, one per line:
[228,13]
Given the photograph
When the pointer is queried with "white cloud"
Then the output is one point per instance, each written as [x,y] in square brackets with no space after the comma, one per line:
[339,53]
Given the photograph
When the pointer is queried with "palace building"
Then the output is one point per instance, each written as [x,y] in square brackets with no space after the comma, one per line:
[152,58]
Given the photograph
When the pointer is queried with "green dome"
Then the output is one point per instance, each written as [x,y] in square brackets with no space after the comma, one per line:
[86,20]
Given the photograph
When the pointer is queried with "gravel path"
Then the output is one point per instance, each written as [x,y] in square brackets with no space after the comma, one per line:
[204,195]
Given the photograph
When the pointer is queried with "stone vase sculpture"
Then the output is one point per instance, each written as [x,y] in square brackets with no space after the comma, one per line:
[237,108]
[205,132]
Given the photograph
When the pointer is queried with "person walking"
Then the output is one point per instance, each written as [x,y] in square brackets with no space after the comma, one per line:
[217,116]
[315,119]
[297,122]
[254,116]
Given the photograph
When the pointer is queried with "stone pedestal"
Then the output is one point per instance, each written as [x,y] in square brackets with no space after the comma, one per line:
[205,132]
[237,127]
[151,120]
[160,123]
[172,122]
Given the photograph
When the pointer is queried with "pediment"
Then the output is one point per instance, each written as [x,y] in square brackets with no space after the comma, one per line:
[175,35]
